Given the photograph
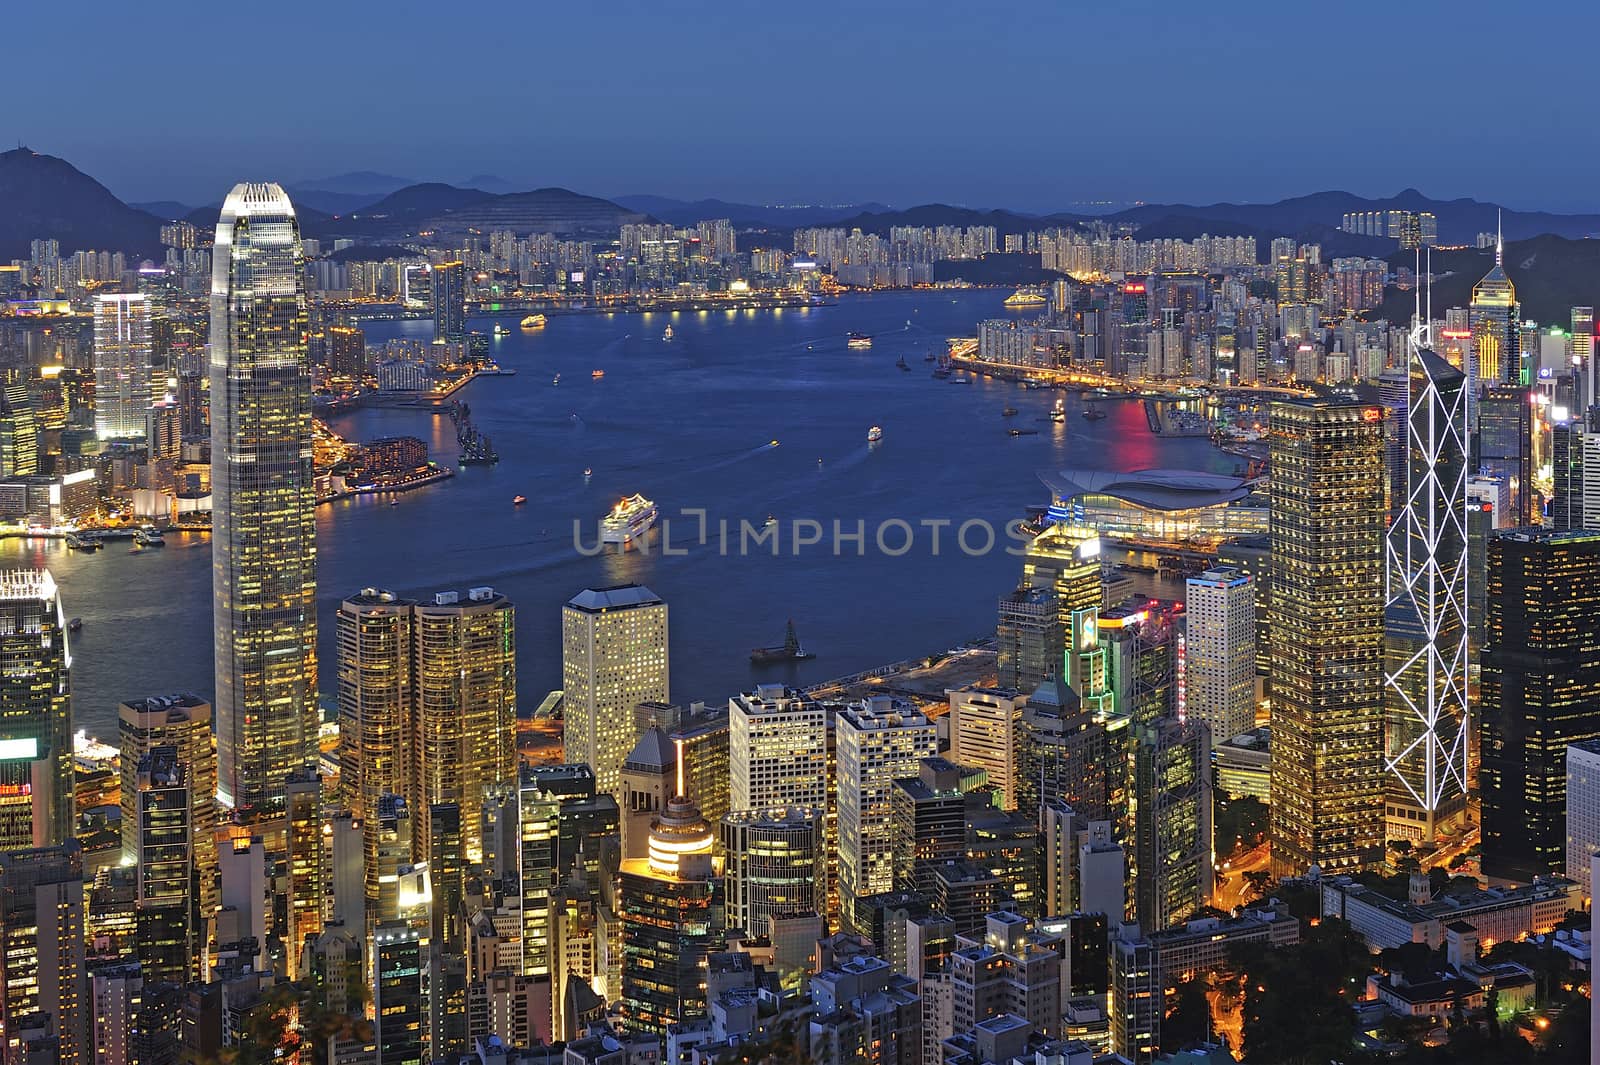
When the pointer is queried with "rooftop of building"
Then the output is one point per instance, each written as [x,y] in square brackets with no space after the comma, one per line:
[1541,534]
[1443,906]
[616,597]
[156,704]
[653,752]
[1152,489]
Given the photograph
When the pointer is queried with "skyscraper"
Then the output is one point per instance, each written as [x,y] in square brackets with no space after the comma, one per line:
[777,750]
[668,903]
[465,705]
[1327,635]
[983,733]
[36,708]
[1029,637]
[19,433]
[1503,444]
[1218,652]
[122,350]
[1171,817]
[1495,316]
[614,657]
[182,722]
[306,887]
[775,865]
[1540,691]
[879,740]
[374,632]
[170,932]
[1583,357]
[263,541]
[42,982]
[449,283]
[1425,619]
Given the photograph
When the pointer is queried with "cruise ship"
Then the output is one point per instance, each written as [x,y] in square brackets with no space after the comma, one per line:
[533,321]
[857,340]
[628,521]
[1027,297]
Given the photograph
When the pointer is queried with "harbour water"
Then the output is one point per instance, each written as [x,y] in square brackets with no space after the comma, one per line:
[688,423]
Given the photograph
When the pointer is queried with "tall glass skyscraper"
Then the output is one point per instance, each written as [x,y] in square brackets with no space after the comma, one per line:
[1425,620]
[1327,636]
[263,542]
[36,775]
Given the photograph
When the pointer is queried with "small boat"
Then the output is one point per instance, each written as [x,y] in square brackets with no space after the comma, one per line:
[1058,413]
[587,472]
[873,435]
[901,364]
[941,373]
[858,340]
[149,538]
[597,374]
[930,357]
[518,500]
[791,651]
[1009,412]
[500,330]
[394,502]
[961,380]
[667,335]
[771,521]
[75,624]
[1023,432]
[1093,414]
[556,380]
[533,321]
[772,443]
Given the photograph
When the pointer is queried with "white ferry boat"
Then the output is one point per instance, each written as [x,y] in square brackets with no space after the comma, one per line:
[1027,297]
[874,434]
[628,521]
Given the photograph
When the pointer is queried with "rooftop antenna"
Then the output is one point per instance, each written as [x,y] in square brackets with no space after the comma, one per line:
[1499,241]
[1427,323]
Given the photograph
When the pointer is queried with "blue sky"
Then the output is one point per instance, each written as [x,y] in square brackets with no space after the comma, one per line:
[1017,104]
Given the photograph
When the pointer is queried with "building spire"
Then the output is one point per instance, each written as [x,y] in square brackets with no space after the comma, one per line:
[1499,241]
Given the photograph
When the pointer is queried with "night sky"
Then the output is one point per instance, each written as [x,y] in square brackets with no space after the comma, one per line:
[1032,106]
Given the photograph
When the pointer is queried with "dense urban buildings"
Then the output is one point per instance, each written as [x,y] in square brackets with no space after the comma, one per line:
[123,348]
[263,541]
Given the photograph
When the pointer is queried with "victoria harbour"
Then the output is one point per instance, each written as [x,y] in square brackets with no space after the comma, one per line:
[688,422]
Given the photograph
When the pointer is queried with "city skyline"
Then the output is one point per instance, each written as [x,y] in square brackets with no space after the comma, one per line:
[826,65]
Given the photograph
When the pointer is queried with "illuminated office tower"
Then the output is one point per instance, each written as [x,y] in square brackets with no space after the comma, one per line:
[1539,692]
[182,722]
[400,986]
[1327,636]
[306,886]
[777,750]
[374,640]
[1217,657]
[539,830]
[389,848]
[170,935]
[1495,316]
[1575,476]
[35,708]
[880,740]
[1504,444]
[1170,801]
[983,733]
[19,433]
[1070,754]
[669,903]
[122,350]
[613,657]
[775,865]
[465,697]
[42,979]
[1425,619]
[1583,357]
[449,284]
[263,539]
[1066,560]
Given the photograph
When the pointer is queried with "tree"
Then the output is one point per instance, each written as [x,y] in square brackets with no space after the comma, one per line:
[1260,882]
[1297,998]
[1189,1020]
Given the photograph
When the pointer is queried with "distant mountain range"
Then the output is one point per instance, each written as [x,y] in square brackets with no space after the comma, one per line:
[46,196]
